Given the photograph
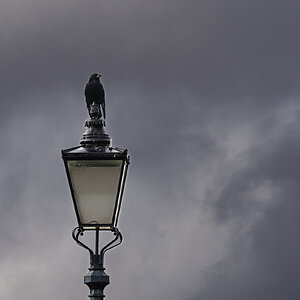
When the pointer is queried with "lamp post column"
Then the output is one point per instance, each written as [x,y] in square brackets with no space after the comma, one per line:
[96,279]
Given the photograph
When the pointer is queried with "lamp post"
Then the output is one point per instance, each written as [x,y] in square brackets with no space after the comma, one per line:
[96,173]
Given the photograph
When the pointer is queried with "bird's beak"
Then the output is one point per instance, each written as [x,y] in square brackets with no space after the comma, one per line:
[98,75]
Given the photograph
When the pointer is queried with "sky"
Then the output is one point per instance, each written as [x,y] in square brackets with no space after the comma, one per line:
[205,96]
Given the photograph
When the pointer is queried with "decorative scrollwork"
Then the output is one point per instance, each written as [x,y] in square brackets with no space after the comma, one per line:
[94,256]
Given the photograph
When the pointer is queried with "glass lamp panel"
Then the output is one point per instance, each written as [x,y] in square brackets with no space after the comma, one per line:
[95,184]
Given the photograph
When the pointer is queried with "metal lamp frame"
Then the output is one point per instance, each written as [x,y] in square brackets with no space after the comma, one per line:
[113,153]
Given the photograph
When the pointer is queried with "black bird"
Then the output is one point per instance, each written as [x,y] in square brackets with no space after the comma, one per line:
[94,92]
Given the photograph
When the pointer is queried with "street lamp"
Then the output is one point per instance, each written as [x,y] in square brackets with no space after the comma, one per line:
[96,173]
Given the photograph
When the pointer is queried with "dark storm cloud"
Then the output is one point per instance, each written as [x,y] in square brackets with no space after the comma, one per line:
[216,48]
[205,96]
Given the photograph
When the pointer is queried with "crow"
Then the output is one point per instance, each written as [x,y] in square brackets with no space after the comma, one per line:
[94,92]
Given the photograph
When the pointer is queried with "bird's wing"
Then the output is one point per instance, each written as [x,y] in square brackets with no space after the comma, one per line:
[86,89]
[87,96]
[103,108]
[103,103]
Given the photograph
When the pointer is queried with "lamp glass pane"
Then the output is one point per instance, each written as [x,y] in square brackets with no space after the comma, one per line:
[95,184]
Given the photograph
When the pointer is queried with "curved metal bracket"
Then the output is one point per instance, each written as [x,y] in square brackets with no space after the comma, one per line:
[75,234]
[111,244]
[95,258]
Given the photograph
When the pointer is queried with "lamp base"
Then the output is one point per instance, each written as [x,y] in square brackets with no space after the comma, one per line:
[95,135]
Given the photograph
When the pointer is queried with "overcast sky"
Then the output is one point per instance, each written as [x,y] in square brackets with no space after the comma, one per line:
[205,95]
